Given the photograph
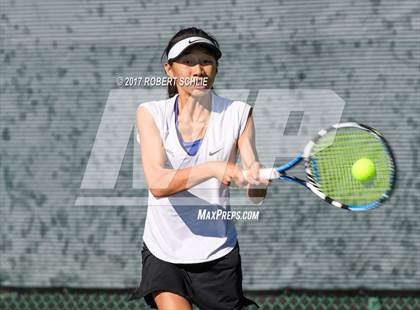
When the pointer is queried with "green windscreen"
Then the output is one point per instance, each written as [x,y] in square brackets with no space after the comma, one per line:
[333,157]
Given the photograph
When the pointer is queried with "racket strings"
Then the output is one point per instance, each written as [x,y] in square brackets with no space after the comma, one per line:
[331,162]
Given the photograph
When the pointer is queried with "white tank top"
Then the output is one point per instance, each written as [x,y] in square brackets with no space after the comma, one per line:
[173,232]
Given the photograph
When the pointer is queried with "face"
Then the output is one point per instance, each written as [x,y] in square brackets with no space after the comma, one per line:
[194,65]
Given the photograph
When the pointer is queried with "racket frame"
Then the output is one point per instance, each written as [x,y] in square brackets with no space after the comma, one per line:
[312,185]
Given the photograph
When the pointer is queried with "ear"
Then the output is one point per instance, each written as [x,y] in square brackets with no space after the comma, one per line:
[168,69]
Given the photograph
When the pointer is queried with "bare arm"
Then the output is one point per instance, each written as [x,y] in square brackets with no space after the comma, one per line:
[246,144]
[257,188]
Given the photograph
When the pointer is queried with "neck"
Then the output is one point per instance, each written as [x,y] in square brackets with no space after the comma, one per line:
[194,108]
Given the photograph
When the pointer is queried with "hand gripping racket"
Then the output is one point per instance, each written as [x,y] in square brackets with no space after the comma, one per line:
[336,168]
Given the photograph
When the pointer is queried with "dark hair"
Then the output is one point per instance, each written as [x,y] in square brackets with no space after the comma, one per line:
[181,35]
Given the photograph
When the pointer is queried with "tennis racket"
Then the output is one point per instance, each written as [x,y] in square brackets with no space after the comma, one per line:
[330,160]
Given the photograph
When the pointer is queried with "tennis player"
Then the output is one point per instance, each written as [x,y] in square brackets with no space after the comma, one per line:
[189,146]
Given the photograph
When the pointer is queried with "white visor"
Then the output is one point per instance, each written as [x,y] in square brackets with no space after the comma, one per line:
[182,45]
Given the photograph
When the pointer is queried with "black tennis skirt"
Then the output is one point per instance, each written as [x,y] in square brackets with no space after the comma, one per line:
[210,285]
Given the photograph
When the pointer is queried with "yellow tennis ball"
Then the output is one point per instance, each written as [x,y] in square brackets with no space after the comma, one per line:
[363,169]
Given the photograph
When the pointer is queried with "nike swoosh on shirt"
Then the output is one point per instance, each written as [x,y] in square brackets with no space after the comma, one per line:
[212,153]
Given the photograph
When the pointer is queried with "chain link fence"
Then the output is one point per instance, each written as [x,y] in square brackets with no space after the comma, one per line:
[25,299]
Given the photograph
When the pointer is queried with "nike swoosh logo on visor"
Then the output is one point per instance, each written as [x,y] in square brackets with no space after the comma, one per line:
[212,153]
[189,41]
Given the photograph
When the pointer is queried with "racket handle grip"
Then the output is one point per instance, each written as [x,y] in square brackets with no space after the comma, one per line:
[266,173]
